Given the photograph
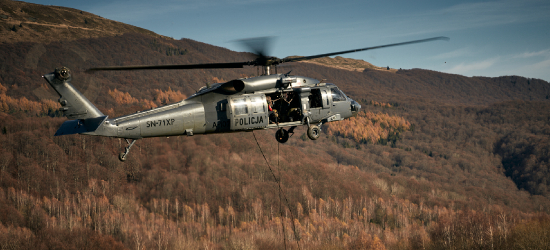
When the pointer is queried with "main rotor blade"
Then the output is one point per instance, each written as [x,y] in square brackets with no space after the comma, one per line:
[259,46]
[175,66]
[363,49]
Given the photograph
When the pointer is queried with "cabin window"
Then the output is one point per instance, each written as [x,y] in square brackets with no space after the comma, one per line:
[257,104]
[337,95]
[240,106]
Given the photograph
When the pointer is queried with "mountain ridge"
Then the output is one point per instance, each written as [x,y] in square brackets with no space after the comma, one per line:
[28,22]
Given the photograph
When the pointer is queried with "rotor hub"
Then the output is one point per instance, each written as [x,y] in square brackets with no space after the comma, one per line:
[63,73]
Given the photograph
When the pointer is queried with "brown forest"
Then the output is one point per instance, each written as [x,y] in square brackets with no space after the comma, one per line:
[435,161]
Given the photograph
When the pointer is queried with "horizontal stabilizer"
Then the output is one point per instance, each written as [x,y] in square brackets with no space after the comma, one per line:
[79,126]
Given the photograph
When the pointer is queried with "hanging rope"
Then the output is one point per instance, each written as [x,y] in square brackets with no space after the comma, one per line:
[281,192]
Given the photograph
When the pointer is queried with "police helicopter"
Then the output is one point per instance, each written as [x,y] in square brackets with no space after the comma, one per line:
[270,101]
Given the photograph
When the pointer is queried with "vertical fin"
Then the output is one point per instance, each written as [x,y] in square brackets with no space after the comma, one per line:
[74,104]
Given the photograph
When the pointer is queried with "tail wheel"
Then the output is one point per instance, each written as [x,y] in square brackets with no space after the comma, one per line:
[313,132]
[281,135]
[122,156]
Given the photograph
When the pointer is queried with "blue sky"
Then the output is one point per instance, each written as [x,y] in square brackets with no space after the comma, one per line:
[488,38]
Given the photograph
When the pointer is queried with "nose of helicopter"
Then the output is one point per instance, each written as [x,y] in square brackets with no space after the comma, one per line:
[355,107]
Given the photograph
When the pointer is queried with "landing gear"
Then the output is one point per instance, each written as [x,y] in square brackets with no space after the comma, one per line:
[313,132]
[122,156]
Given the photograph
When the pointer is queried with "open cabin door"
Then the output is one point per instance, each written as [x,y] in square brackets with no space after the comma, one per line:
[248,112]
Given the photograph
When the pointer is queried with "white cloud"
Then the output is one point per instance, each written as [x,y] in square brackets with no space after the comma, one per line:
[246,2]
[506,65]
[545,53]
[543,65]
[470,68]
[453,54]
[467,16]
[537,69]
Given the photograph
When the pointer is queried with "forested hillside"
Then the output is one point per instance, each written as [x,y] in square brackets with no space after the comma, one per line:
[433,161]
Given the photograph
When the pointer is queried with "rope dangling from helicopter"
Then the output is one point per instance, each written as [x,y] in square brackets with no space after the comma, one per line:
[281,192]
[279,180]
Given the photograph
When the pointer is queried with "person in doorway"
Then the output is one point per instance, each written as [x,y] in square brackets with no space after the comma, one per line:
[271,111]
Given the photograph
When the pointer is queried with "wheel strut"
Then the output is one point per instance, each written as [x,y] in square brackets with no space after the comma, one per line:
[122,155]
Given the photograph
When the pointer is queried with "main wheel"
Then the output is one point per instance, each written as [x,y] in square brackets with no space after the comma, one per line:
[122,156]
[281,135]
[313,132]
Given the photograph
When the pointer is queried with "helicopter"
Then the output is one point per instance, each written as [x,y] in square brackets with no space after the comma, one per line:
[269,101]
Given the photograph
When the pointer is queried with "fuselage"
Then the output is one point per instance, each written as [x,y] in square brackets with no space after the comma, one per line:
[239,105]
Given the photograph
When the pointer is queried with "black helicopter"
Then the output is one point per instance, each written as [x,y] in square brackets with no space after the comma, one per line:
[264,102]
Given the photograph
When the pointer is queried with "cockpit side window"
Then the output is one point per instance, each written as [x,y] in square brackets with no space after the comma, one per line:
[337,95]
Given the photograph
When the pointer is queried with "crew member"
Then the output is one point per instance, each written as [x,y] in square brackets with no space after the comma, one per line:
[271,111]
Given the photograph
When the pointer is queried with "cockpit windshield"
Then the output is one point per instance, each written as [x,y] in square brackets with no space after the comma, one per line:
[337,95]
